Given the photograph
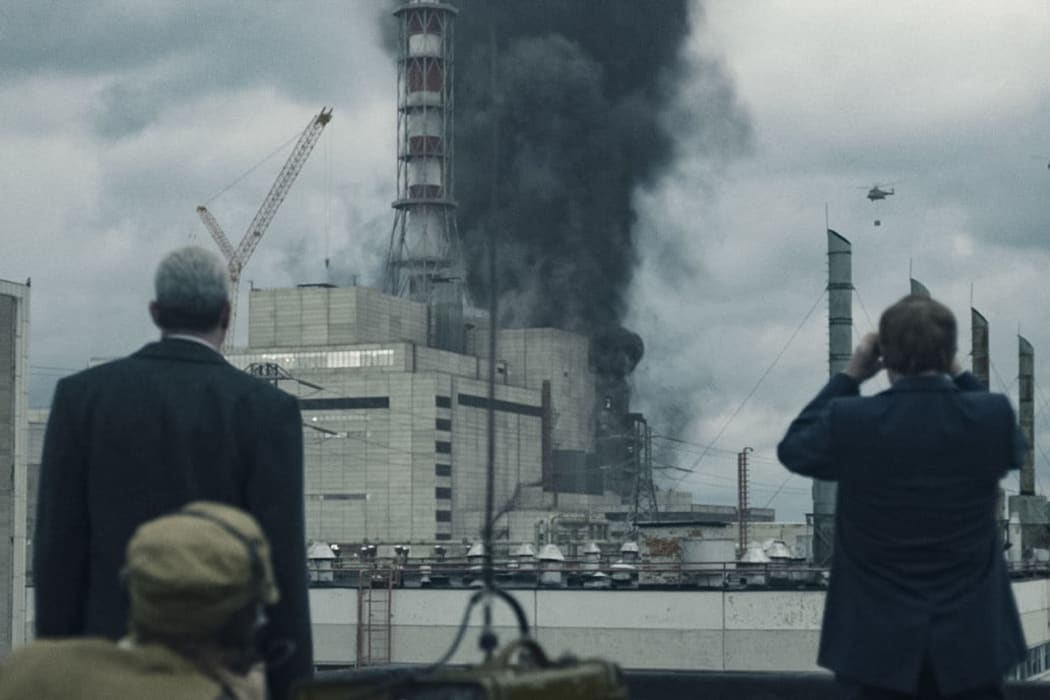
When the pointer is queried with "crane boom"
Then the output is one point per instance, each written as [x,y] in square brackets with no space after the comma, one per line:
[216,232]
[282,184]
[237,258]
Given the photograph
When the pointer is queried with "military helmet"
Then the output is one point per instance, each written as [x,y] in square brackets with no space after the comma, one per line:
[188,572]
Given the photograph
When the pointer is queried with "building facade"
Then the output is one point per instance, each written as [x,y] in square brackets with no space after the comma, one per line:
[396,431]
[14,369]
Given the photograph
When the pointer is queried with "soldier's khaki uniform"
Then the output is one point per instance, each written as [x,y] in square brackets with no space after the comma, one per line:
[98,669]
[187,574]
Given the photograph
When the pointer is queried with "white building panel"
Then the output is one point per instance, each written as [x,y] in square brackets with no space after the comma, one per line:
[370,390]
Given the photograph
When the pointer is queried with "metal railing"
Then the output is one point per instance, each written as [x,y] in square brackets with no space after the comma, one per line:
[435,573]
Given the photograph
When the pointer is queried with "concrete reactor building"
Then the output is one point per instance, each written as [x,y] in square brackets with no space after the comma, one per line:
[395,437]
[393,383]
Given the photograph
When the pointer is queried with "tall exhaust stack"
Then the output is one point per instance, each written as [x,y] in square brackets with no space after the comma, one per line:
[1026,411]
[979,346]
[919,289]
[1030,509]
[979,365]
[423,263]
[840,347]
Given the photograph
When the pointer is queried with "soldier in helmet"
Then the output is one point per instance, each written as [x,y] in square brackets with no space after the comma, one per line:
[198,580]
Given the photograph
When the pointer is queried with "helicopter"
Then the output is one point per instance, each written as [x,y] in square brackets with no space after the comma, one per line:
[877,192]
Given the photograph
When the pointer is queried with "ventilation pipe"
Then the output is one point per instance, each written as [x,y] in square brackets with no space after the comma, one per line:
[840,345]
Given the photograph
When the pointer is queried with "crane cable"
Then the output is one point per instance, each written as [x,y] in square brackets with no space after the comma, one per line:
[250,170]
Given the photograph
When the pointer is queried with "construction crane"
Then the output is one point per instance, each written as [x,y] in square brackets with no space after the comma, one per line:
[237,258]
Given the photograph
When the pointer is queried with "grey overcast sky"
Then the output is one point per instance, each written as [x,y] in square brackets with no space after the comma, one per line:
[118,117]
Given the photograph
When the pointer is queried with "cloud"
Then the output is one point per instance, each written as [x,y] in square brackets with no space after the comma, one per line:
[947,101]
[121,117]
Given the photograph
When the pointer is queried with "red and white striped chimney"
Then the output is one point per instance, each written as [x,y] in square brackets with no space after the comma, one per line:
[423,263]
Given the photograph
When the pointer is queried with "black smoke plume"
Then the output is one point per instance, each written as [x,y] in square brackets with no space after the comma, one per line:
[575,92]
[586,96]
[579,90]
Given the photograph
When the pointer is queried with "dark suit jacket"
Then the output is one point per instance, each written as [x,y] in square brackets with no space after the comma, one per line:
[133,439]
[918,570]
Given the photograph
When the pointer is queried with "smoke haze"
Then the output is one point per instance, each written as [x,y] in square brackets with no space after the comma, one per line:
[580,88]
[592,100]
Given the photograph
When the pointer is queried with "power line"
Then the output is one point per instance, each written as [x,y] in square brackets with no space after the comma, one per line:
[863,308]
[751,393]
[790,476]
[1046,412]
[1006,389]
[702,446]
[1045,405]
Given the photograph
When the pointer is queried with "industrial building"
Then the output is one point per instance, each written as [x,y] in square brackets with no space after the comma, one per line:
[393,383]
[396,430]
[14,369]
[394,392]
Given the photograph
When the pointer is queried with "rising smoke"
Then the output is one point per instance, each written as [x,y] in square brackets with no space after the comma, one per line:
[586,95]
[580,87]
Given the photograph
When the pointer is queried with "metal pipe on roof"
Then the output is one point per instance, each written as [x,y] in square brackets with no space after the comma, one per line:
[919,289]
[979,346]
[840,345]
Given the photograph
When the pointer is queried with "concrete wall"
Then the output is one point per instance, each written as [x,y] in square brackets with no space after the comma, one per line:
[517,453]
[318,316]
[37,428]
[532,356]
[396,448]
[14,367]
[756,630]
[413,470]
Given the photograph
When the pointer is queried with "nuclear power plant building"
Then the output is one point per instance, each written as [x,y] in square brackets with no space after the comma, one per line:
[396,431]
[393,383]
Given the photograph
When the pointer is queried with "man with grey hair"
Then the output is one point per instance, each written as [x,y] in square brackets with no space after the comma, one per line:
[193,293]
[138,437]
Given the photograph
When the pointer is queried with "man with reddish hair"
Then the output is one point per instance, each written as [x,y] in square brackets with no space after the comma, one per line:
[919,602]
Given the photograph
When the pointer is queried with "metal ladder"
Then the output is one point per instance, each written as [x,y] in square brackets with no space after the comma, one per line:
[374,595]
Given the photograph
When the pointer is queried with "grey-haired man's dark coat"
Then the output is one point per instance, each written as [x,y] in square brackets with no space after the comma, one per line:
[142,436]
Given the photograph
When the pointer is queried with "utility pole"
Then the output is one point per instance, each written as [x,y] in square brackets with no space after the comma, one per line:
[743,512]
[644,506]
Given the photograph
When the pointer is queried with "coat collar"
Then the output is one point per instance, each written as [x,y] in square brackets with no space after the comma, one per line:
[180,350]
[924,382]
